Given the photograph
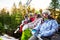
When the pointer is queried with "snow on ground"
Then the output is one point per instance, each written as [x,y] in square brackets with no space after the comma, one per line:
[6,37]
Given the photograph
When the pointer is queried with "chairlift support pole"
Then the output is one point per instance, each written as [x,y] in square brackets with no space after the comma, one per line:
[27,4]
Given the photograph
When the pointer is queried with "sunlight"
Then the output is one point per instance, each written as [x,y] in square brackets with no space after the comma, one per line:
[41,4]
[37,4]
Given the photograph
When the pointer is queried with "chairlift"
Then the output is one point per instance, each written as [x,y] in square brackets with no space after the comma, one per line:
[27,3]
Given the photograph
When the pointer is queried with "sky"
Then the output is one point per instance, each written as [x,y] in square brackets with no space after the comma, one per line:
[37,4]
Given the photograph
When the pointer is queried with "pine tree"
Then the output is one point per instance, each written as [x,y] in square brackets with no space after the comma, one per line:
[54,5]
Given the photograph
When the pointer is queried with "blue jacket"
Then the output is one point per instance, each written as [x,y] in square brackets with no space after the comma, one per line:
[48,28]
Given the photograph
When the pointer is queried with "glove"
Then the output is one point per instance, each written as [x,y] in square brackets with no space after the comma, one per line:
[39,37]
[33,31]
[25,27]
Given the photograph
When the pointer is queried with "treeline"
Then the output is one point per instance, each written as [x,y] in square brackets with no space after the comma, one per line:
[9,23]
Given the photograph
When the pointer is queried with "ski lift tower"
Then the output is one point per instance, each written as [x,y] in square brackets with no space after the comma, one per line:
[27,4]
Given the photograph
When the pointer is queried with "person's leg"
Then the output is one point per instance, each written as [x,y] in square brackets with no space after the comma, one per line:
[20,35]
[33,38]
[26,34]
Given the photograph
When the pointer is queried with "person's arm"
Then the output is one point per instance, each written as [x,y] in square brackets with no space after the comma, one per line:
[29,25]
[52,30]
[32,22]
[25,27]
[37,27]
[38,22]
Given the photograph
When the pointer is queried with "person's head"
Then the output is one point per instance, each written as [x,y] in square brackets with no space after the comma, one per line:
[31,15]
[39,16]
[46,13]
[26,16]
